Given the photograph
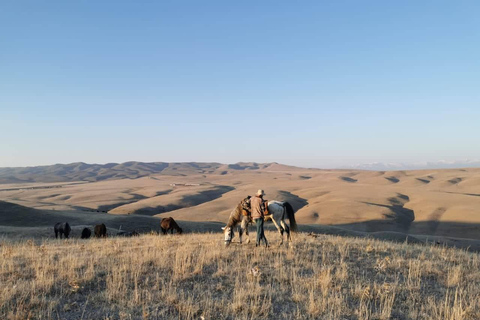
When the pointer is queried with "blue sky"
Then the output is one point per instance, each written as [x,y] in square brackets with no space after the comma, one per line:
[310,83]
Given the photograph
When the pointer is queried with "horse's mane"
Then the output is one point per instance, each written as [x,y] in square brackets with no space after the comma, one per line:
[235,216]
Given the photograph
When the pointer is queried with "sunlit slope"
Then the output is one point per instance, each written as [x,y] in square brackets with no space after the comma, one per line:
[437,202]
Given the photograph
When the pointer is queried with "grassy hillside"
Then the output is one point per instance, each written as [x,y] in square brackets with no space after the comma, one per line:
[442,203]
[194,277]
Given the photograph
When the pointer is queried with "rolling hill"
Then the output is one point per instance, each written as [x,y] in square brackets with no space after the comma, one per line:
[438,203]
[80,171]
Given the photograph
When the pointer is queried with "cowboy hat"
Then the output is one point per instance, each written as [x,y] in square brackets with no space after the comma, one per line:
[260,192]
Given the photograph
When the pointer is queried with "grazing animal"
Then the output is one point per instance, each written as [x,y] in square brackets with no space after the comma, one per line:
[169,224]
[86,233]
[277,212]
[240,214]
[62,228]
[100,231]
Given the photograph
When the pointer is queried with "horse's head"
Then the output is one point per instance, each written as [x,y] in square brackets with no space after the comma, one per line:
[228,232]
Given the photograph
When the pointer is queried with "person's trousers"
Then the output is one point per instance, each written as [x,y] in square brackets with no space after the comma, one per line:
[260,233]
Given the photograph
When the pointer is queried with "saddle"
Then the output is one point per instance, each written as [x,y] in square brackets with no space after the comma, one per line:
[266,213]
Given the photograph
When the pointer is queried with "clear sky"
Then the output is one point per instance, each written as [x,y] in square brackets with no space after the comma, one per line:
[310,83]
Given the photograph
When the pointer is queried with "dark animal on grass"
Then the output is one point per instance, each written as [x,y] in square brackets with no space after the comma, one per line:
[169,224]
[62,228]
[86,233]
[100,231]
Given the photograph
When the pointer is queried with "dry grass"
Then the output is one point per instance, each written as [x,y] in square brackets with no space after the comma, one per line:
[193,277]
[380,201]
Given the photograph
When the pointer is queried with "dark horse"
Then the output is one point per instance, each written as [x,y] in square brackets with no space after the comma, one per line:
[86,233]
[100,231]
[63,228]
[169,224]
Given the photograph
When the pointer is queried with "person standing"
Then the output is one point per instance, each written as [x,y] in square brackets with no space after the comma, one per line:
[257,205]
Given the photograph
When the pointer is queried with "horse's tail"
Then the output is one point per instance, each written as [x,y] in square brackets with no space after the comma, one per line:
[290,215]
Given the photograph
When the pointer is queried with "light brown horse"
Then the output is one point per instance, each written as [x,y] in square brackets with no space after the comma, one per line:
[241,214]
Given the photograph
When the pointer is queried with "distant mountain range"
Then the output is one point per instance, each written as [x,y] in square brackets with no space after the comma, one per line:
[442,164]
[80,171]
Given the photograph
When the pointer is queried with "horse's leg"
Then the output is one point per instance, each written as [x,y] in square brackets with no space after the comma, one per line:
[279,228]
[240,233]
[56,234]
[244,227]
[287,230]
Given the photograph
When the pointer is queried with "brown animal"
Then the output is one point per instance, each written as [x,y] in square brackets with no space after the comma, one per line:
[100,231]
[169,224]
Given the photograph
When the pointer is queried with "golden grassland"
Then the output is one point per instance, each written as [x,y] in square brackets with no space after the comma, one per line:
[441,203]
[193,276]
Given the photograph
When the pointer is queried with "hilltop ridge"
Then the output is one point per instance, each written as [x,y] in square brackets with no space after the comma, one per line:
[80,171]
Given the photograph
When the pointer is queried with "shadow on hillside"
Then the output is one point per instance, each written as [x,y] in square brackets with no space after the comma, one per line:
[108,207]
[451,234]
[464,194]
[455,180]
[393,179]
[442,229]
[423,180]
[186,201]
[296,201]
[398,219]
[242,166]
